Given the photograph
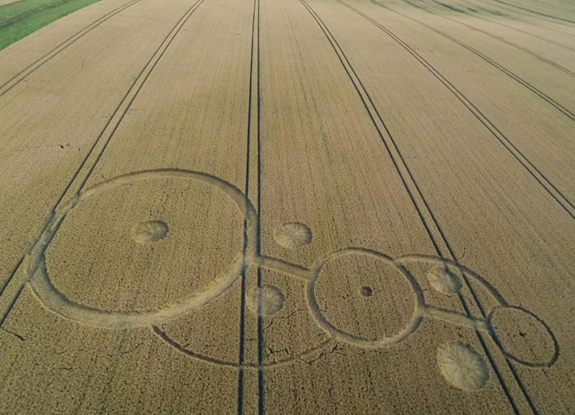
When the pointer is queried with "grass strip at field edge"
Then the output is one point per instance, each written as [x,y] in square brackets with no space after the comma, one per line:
[32,15]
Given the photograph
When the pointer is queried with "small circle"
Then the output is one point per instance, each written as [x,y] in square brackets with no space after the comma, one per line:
[150,231]
[366,291]
[293,235]
[445,281]
[266,300]
[462,366]
[367,324]
[523,336]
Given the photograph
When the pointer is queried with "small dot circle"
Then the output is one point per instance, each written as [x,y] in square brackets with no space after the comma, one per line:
[366,291]
[150,231]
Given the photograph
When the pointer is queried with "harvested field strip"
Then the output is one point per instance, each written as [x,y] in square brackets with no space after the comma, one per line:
[508,144]
[434,231]
[12,82]
[78,180]
[19,19]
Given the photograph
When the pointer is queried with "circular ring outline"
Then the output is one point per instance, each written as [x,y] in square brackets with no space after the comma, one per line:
[511,356]
[416,318]
[219,362]
[54,300]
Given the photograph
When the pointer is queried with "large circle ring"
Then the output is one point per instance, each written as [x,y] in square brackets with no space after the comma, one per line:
[49,295]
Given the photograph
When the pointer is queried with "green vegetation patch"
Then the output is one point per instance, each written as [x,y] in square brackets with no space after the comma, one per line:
[19,19]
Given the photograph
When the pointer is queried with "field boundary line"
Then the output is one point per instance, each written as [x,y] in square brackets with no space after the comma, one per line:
[426,215]
[20,76]
[109,130]
[557,195]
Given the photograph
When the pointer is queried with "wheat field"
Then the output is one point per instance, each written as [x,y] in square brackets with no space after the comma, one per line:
[290,207]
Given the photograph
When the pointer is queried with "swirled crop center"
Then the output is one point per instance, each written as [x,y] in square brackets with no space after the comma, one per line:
[95,261]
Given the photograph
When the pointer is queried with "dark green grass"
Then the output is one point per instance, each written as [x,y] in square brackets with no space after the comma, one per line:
[19,19]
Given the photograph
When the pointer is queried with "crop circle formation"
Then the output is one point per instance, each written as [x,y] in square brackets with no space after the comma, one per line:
[522,336]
